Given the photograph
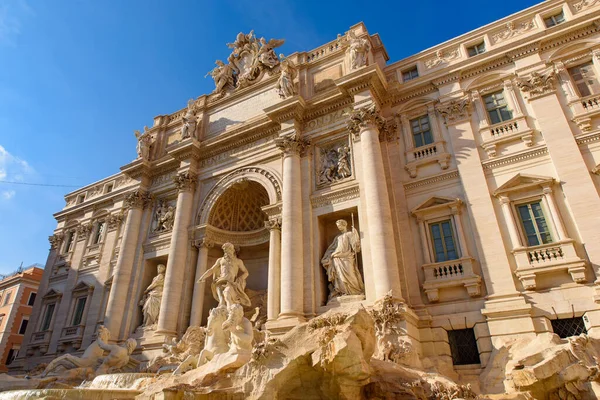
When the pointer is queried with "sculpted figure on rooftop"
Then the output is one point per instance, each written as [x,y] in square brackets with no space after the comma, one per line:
[285,84]
[144,143]
[223,77]
[359,49]
[189,121]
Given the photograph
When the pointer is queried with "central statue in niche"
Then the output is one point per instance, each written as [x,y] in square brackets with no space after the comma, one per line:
[227,287]
[341,265]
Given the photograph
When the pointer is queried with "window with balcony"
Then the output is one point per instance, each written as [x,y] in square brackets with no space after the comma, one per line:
[554,20]
[534,223]
[79,309]
[585,80]
[443,242]
[476,49]
[23,325]
[463,347]
[410,74]
[69,242]
[497,107]
[98,232]
[446,260]
[538,238]
[421,131]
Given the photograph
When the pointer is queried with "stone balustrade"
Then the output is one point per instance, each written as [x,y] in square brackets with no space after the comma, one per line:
[428,154]
[548,258]
[448,274]
[504,132]
[73,335]
[584,109]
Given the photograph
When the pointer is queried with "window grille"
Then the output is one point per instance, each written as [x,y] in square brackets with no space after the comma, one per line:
[534,223]
[568,327]
[442,237]
[463,347]
[476,49]
[554,20]
[497,108]
[421,130]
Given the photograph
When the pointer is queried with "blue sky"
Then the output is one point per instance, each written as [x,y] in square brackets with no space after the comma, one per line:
[78,77]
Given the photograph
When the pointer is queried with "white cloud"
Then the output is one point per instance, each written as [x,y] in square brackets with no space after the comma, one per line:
[11,169]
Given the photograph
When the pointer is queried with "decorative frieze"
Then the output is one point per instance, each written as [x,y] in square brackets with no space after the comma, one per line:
[583,4]
[361,118]
[138,199]
[455,111]
[511,30]
[538,85]
[185,181]
[442,57]
[334,163]
[164,217]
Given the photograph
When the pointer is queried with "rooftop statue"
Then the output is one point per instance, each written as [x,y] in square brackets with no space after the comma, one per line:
[250,58]
[285,84]
[359,49]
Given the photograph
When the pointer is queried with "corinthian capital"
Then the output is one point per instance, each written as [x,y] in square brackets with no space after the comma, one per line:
[137,199]
[538,85]
[273,223]
[55,240]
[204,242]
[185,181]
[362,118]
[455,111]
[292,145]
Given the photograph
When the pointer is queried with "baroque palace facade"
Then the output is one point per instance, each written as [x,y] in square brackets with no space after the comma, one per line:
[469,171]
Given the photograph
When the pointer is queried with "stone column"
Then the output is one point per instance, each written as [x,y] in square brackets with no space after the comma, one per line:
[578,186]
[424,241]
[364,124]
[274,290]
[204,245]
[136,202]
[408,140]
[167,318]
[292,257]
[515,242]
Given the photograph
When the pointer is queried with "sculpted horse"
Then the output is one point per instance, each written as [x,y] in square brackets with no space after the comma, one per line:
[216,341]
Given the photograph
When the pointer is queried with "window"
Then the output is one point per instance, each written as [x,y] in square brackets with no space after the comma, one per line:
[48,316]
[81,198]
[421,130]
[98,233]
[476,49]
[6,298]
[463,347]
[534,223]
[79,308]
[585,79]
[496,106]
[109,188]
[23,326]
[12,354]
[442,237]
[568,327]
[31,299]
[554,20]
[69,242]
[410,74]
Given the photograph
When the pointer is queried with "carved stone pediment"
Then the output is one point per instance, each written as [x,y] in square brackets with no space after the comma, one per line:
[435,202]
[52,294]
[523,182]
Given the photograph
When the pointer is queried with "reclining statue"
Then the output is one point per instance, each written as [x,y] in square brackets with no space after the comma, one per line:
[117,358]
[89,359]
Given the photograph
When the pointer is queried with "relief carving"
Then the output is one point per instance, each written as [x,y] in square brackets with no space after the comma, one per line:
[537,84]
[164,217]
[334,164]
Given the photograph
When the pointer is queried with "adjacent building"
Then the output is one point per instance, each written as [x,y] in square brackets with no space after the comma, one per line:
[470,170]
[17,295]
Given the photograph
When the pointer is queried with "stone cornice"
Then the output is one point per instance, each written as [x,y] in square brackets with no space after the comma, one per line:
[365,78]
[288,109]
[513,158]
[185,150]
[136,169]
[338,196]
[431,180]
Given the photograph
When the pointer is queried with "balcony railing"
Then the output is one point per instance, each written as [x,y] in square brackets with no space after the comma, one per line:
[508,131]
[451,274]
[584,109]
[431,153]
[73,335]
[548,258]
